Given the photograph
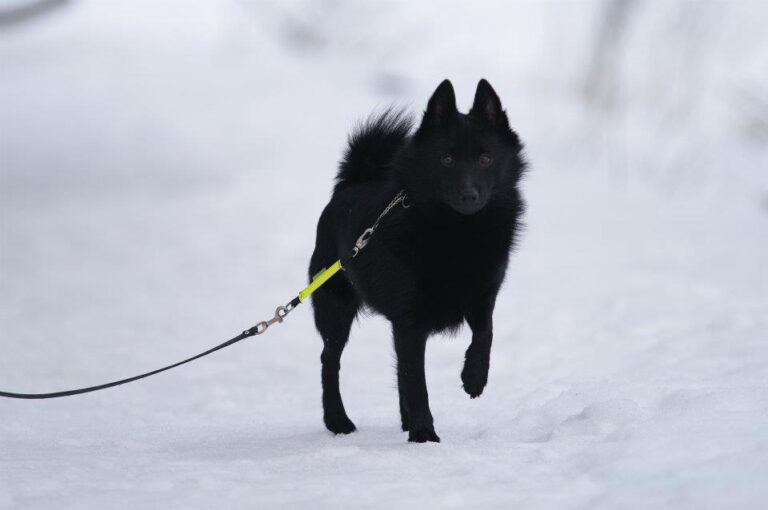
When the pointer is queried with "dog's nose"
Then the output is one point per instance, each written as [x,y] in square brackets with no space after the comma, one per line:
[469,196]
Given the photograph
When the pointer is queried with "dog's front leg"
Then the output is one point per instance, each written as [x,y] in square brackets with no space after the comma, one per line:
[478,355]
[410,345]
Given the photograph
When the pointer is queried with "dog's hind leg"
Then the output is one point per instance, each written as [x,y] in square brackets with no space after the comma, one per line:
[335,306]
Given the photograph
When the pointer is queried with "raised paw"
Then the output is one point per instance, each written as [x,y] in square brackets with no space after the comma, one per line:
[474,375]
[339,423]
[423,435]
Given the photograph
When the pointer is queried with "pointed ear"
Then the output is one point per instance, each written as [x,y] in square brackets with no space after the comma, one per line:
[441,108]
[487,106]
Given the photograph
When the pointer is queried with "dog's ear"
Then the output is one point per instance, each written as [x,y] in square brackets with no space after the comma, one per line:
[441,109]
[487,107]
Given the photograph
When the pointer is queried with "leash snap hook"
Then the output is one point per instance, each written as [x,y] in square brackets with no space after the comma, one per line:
[280,313]
[261,327]
[362,241]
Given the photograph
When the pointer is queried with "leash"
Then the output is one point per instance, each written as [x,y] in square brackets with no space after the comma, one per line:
[260,328]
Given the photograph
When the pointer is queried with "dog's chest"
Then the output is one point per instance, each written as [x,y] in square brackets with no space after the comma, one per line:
[454,266]
[433,273]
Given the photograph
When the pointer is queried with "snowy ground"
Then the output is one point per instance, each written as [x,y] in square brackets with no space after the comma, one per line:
[151,157]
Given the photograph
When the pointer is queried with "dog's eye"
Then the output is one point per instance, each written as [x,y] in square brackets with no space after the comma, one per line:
[447,160]
[485,160]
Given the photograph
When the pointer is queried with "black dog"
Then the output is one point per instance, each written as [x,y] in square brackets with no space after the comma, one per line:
[433,265]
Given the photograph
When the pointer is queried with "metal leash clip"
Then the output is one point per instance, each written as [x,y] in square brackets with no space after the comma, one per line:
[362,241]
[262,326]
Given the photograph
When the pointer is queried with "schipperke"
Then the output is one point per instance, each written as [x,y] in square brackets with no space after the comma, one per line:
[430,266]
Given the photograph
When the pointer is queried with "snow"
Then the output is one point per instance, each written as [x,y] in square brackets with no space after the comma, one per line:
[162,166]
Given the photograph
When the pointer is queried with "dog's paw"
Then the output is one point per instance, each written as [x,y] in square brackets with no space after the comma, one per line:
[474,375]
[423,435]
[339,423]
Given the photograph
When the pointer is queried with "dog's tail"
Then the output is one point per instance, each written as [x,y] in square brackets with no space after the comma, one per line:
[371,147]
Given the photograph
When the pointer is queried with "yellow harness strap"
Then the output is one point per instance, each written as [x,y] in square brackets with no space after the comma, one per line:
[319,279]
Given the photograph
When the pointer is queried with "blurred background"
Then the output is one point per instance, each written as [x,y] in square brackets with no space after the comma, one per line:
[162,167]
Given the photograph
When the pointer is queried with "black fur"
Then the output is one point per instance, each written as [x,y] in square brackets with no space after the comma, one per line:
[432,266]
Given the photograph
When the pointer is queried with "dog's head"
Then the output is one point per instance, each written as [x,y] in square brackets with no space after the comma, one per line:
[462,160]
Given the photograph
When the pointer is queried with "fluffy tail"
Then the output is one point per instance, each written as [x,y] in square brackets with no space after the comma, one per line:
[371,147]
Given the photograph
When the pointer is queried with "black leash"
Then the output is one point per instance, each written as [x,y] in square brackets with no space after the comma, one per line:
[241,336]
[280,313]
